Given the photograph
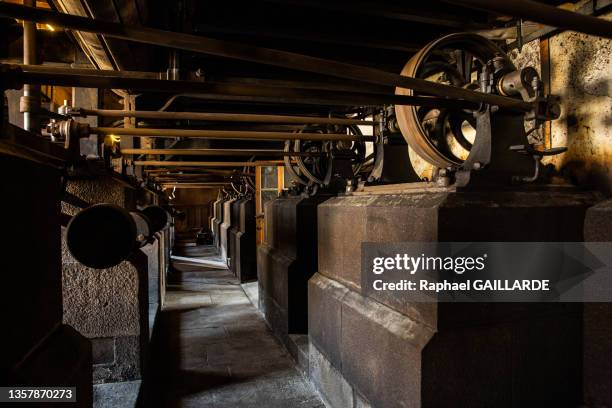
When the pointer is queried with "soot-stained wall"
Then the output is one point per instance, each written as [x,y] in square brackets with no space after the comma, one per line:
[581,74]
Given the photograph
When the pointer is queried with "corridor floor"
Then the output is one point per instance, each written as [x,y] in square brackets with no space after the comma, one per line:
[217,350]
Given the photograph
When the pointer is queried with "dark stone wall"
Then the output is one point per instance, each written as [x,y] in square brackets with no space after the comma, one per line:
[224,227]
[37,348]
[233,252]
[286,261]
[244,262]
[116,307]
[597,320]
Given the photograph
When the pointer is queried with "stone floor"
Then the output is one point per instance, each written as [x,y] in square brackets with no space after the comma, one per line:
[116,395]
[217,350]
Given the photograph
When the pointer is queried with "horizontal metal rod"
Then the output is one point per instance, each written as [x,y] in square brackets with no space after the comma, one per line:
[195,176]
[107,73]
[249,53]
[228,134]
[543,13]
[193,180]
[219,152]
[209,164]
[184,186]
[14,76]
[224,117]
[189,171]
[204,183]
[161,76]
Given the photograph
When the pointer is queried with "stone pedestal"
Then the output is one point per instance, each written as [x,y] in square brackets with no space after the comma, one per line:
[224,227]
[233,252]
[217,221]
[286,261]
[116,307]
[37,350]
[381,350]
[246,264]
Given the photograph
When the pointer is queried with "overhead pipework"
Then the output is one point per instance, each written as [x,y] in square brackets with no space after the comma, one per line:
[448,99]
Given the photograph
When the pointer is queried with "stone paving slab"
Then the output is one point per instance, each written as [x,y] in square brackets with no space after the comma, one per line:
[218,350]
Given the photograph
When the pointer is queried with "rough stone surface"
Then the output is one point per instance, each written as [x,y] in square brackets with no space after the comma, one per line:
[101,302]
[99,190]
[581,72]
[598,223]
[154,271]
[406,363]
[598,336]
[103,350]
[389,373]
[217,221]
[116,395]
[127,363]
[117,304]
[334,389]
[325,317]
[361,402]
[224,228]
[285,262]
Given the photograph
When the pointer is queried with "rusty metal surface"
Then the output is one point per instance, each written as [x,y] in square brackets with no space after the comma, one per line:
[16,75]
[208,164]
[226,134]
[224,117]
[217,152]
[407,116]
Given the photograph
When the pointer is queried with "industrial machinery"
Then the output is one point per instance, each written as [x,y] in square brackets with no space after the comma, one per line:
[447,149]
[484,144]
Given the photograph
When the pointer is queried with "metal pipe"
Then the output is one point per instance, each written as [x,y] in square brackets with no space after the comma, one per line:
[15,75]
[30,103]
[182,186]
[197,183]
[162,180]
[208,164]
[103,235]
[254,54]
[228,134]
[277,83]
[219,152]
[159,218]
[195,171]
[200,177]
[544,14]
[225,117]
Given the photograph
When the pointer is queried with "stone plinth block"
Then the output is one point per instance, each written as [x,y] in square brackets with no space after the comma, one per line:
[396,353]
[286,261]
[597,318]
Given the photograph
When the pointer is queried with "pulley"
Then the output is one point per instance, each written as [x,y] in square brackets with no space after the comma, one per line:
[326,159]
[463,140]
